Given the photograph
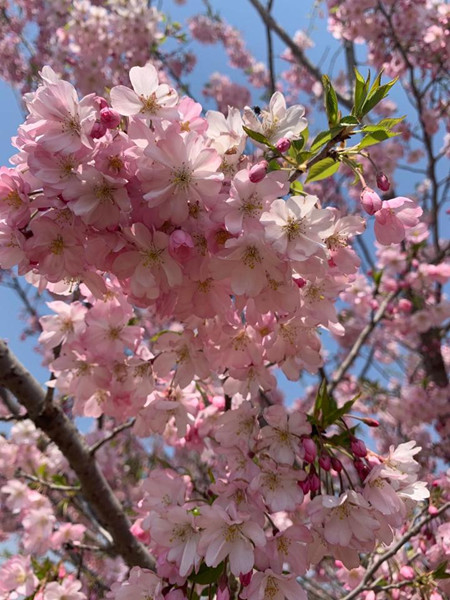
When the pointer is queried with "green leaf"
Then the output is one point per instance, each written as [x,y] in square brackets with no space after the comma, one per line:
[323,137]
[390,123]
[274,165]
[303,157]
[349,121]
[441,571]
[376,276]
[258,137]
[322,169]
[375,137]
[377,96]
[376,84]
[334,415]
[331,103]
[207,574]
[360,94]
[321,392]
[296,188]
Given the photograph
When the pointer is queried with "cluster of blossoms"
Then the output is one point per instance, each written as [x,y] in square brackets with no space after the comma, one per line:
[140,201]
[91,43]
[421,25]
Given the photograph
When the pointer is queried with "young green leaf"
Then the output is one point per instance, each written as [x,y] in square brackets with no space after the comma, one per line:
[322,169]
[331,103]
[258,137]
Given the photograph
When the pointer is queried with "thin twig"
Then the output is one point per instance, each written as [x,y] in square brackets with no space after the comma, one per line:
[111,435]
[393,551]
[296,51]
[362,338]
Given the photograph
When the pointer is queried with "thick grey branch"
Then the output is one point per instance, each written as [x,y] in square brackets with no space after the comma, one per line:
[57,426]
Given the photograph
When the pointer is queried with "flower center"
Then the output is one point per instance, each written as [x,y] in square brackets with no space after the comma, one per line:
[293,228]
[57,245]
[251,257]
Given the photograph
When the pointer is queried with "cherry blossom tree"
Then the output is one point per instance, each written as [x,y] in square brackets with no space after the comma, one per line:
[185,262]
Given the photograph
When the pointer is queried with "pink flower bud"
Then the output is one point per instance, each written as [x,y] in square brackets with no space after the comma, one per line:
[245,578]
[362,468]
[382,182]
[283,145]
[404,305]
[314,482]
[310,450]
[406,573]
[100,102]
[304,485]
[181,245]
[325,462]
[370,201]
[258,171]
[98,130]
[223,593]
[370,422]
[336,464]
[109,117]
[358,448]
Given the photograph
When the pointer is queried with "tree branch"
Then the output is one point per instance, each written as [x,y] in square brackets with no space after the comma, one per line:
[352,355]
[296,51]
[56,425]
[393,551]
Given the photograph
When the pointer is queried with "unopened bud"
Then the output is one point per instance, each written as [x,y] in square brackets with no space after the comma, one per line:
[258,171]
[310,450]
[98,130]
[304,485]
[336,464]
[245,578]
[383,182]
[314,482]
[361,467]
[109,117]
[100,102]
[406,573]
[405,305]
[283,145]
[370,201]
[370,422]
[325,462]
[358,448]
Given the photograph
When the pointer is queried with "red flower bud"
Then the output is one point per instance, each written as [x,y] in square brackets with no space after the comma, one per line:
[310,450]
[245,578]
[358,448]
[336,464]
[98,130]
[383,182]
[109,117]
[325,462]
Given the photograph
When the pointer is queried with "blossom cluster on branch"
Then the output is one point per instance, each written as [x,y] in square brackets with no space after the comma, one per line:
[189,260]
